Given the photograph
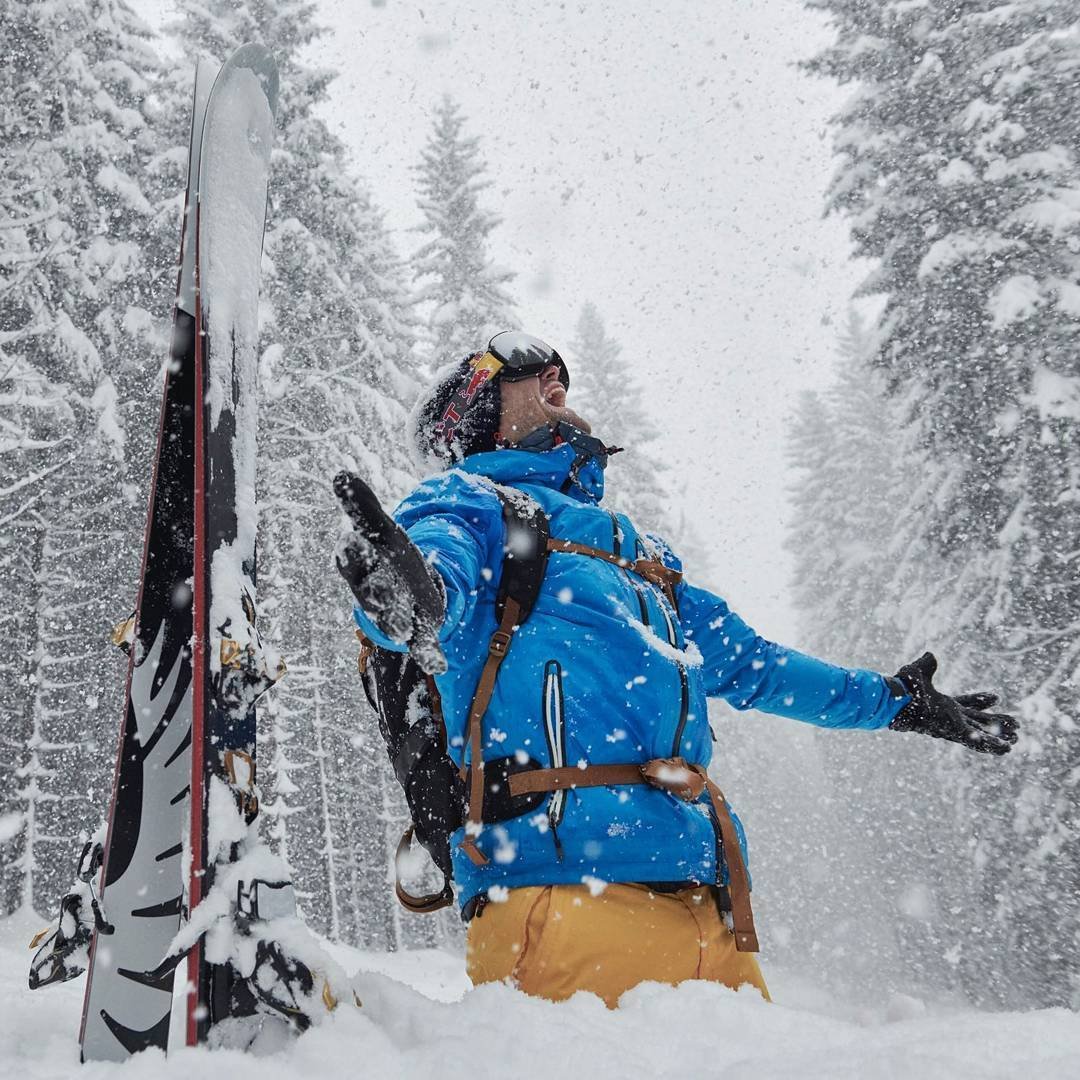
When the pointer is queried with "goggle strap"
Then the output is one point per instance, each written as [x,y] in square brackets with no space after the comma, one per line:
[484,367]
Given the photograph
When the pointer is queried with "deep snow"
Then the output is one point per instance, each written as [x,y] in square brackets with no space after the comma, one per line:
[419,1018]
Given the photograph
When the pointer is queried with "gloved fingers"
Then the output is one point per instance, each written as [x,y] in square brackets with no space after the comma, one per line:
[983,742]
[355,553]
[988,734]
[425,649]
[978,701]
[360,504]
[1000,725]
[355,558]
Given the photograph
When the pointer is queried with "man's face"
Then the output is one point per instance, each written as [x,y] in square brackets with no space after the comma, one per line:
[553,396]
[531,403]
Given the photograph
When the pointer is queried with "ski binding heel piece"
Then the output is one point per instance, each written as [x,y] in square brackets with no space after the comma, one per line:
[64,952]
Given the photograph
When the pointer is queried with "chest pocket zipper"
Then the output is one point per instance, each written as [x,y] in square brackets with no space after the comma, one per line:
[638,587]
[672,635]
[555,733]
[684,682]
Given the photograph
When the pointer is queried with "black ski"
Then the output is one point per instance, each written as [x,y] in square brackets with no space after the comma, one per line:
[141,881]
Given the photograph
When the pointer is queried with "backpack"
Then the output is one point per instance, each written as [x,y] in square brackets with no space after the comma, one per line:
[411,723]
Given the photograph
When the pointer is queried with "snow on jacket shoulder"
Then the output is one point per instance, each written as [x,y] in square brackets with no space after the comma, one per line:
[605,671]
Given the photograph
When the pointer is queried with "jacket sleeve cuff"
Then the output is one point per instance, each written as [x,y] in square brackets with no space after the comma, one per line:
[452,616]
[899,699]
[374,634]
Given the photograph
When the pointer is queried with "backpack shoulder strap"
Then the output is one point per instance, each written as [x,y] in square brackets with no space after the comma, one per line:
[525,552]
[525,555]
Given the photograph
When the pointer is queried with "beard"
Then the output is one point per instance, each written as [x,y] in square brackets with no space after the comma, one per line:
[557,411]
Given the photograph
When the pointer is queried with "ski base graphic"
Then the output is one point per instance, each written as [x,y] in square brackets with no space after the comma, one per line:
[142,881]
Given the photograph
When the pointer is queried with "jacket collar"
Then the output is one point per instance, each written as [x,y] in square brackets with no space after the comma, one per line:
[546,468]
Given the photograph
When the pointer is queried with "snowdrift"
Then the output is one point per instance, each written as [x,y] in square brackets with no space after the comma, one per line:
[419,1018]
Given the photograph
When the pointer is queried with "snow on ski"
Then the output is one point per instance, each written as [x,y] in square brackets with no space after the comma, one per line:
[231,668]
[141,886]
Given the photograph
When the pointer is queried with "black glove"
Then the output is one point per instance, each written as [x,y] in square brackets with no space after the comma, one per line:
[961,719]
[393,583]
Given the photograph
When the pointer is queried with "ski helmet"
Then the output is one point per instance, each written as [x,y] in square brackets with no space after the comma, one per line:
[460,414]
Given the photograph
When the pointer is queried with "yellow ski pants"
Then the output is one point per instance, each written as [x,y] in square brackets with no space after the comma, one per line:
[551,941]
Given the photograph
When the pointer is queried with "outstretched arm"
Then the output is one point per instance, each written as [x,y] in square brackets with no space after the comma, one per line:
[750,672]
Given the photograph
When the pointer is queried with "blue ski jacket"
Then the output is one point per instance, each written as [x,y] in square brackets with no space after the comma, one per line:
[604,671]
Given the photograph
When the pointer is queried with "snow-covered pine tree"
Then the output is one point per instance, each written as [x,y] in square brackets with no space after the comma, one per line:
[461,294]
[959,174]
[611,399]
[31,409]
[849,495]
[335,380]
[638,481]
[842,454]
[76,266]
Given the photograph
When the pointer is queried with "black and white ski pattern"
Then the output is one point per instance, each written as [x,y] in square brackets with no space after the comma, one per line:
[142,879]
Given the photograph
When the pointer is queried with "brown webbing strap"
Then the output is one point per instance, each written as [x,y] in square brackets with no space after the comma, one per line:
[681,779]
[497,650]
[427,902]
[742,915]
[650,569]
[539,780]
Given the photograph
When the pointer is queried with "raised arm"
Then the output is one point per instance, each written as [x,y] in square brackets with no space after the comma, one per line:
[752,673]
[416,576]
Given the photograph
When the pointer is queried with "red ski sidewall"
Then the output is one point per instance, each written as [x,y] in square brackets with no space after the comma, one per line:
[197,839]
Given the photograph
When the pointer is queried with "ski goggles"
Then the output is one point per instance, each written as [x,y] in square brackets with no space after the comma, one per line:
[522,356]
[510,355]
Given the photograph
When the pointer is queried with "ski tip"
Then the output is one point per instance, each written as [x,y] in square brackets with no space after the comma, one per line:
[260,60]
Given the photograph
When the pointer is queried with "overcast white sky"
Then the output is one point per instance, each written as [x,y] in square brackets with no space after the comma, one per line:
[664,160]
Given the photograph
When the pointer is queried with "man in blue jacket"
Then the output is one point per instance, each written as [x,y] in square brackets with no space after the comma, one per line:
[620,861]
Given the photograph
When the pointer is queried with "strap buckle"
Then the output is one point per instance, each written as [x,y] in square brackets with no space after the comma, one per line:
[655,571]
[476,856]
[676,776]
[499,643]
